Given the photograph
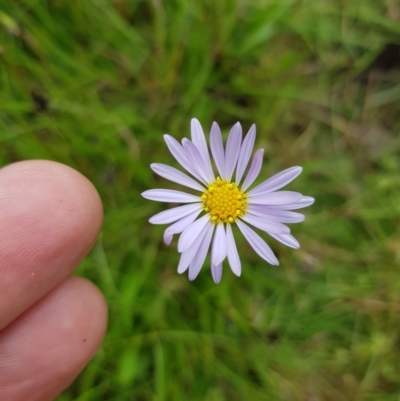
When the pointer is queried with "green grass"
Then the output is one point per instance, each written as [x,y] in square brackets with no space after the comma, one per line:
[95,84]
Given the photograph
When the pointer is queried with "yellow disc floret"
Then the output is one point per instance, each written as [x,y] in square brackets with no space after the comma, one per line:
[224,201]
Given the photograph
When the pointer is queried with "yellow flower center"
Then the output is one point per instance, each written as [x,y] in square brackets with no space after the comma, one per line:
[224,201]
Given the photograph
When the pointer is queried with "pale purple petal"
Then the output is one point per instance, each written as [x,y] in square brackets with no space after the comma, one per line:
[179,226]
[254,170]
[174,214]
[177,151]
[219,246]
[170,195]
[303,202]
[199,140]
[190,233]
[287,239]
[233,256]
[245,153]
[193,154]
[232,150]
[216,272]
[257,243]
[201,254]
[282,216]
[217,149]
[189,254]
[174,175]
[277,181]
[266,225]
[275,198]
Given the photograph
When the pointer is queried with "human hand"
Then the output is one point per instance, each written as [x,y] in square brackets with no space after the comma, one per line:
[51,324]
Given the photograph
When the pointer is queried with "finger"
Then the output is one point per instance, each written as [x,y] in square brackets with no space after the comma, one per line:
[50,217]
[44,349]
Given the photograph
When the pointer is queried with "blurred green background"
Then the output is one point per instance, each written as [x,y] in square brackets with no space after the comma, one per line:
[95,84]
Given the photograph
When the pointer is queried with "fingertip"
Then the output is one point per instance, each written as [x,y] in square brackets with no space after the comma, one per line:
[51,216]
[68,181]
[48,346]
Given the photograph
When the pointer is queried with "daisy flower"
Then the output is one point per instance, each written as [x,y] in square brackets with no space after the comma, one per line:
[224,200]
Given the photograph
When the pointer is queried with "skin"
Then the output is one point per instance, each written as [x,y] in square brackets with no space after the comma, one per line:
[51,323]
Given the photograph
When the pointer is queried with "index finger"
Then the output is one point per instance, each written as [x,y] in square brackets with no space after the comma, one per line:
[50,216]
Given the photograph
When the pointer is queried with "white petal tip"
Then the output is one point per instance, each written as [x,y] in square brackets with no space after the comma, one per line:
[307,201]
[216,273]
[181,271]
